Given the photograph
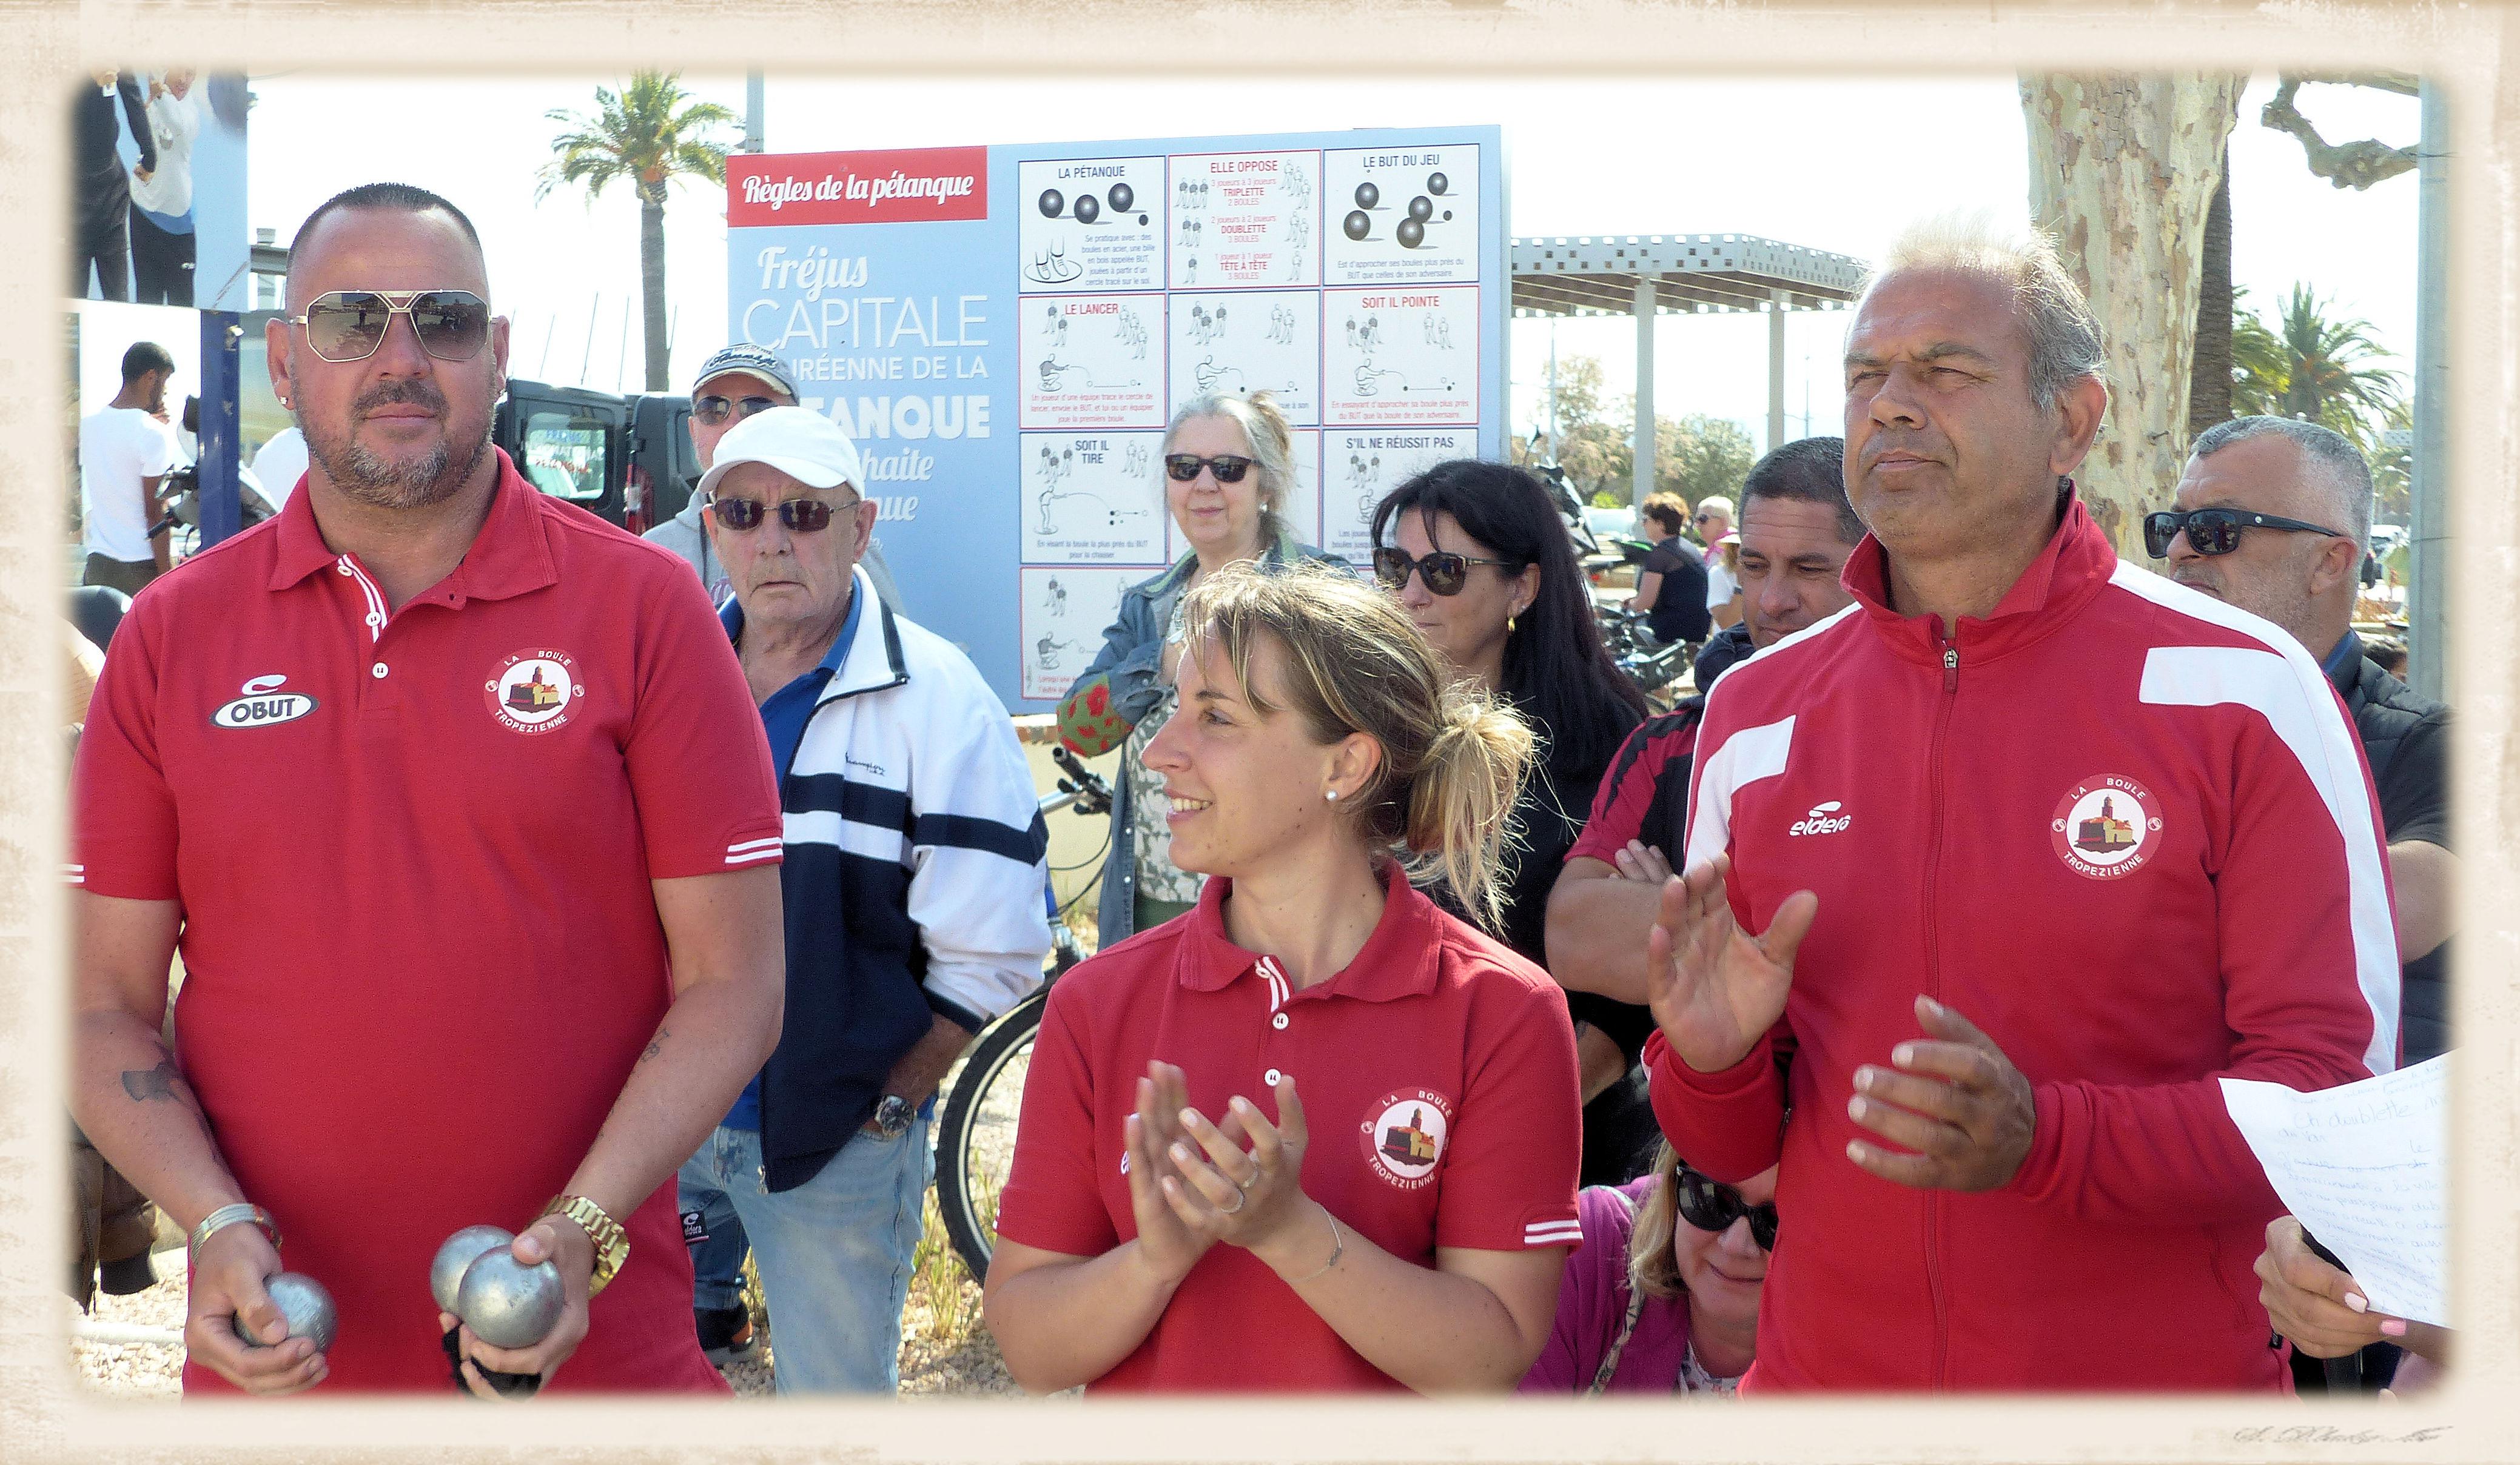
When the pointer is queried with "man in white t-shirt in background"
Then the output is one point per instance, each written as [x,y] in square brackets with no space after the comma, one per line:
[126,449]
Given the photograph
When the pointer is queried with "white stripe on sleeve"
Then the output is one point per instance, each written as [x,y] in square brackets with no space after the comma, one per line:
[1746,756]
[2282,685]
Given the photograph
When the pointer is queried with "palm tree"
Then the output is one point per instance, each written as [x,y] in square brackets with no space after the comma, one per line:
[650,134]
[2307,366]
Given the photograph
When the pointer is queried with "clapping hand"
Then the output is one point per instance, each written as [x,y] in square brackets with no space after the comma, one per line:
[1955,1099]
[1165,1242]
[1714,987]
[1224,1191]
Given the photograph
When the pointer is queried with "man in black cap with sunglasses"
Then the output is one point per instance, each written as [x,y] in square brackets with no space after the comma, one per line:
[484,952]
[2273,516]
[735,384]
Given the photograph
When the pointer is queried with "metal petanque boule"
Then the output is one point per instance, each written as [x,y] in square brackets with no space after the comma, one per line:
[303,1304]
[508,1304]
[446,1273]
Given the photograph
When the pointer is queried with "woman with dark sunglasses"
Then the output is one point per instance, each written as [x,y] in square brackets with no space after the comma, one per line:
[1227,464]
[1479,559]
[1663,1297]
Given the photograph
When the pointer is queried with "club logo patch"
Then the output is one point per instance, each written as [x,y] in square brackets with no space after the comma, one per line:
[534,691]
[1403,1135]
[2106,827]
[263,705]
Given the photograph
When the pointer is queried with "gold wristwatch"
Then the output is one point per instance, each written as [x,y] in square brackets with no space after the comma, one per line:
[611,1243]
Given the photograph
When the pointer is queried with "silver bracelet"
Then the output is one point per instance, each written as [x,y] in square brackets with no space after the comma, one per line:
[1338,1248]
[223,1218]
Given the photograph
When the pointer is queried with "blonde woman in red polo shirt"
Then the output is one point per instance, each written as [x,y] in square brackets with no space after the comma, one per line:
[1316,1134]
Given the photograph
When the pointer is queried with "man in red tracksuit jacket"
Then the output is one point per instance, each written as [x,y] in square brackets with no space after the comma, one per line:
[1990,876]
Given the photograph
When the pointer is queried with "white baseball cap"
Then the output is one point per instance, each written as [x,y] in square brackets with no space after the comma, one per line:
[805,445]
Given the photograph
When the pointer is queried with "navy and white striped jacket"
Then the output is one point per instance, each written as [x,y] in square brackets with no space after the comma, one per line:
[915,863]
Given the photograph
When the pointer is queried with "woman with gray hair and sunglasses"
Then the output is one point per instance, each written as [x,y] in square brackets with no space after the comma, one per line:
[1227,463]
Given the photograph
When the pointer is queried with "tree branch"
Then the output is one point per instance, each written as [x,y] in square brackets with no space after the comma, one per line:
[2354,165]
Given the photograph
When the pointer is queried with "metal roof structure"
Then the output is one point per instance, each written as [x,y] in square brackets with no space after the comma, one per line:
[1691,272]
[1646,276]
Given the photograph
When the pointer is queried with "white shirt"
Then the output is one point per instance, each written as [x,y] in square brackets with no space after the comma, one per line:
[279,464]
[173,122]
[118,447]
[1721,587]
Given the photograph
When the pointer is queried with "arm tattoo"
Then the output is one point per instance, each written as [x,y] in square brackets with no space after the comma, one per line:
[159,1082]
[657,1045]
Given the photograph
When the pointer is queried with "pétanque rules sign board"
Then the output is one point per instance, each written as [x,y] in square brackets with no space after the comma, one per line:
[1005,331]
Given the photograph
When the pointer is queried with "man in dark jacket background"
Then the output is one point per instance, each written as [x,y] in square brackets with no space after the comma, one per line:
[2302,579]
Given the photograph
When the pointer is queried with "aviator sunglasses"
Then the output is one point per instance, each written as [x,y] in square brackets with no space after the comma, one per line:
[1185,467]
[2214,531]
[1444,571]
[800,515]
[1712,1206]
[713,409]
[348,325]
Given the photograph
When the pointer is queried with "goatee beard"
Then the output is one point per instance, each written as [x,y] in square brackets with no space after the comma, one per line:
[365,478]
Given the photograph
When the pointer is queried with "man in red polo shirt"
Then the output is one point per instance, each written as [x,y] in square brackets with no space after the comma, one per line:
[427,976]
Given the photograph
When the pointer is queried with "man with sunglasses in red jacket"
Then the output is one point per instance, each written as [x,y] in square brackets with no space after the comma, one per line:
[2017,856]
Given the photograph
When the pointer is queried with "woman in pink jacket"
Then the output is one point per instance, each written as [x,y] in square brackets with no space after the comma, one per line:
[1663,1295]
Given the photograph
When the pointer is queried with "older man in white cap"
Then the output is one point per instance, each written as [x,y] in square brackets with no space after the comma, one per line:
[915,864]
[733,384]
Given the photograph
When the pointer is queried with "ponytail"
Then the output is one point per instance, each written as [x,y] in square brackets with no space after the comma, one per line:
[1461,803]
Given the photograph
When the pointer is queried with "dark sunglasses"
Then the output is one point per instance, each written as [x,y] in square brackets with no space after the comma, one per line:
[2214,531]
[800,515]
[1444,571]
[348,325]
[713,409]
[1185,467]
[1712,1206]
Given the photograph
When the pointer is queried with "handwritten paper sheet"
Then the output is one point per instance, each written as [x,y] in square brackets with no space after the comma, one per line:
[2362,1168]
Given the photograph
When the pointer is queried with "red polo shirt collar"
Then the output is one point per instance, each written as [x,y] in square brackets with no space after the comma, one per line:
[1397,961]
[510,556]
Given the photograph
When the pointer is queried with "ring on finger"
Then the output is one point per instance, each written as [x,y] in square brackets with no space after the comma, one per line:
[1240,1199]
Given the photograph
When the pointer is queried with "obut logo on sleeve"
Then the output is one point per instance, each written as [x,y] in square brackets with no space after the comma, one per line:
[1403,1135]
[534,691]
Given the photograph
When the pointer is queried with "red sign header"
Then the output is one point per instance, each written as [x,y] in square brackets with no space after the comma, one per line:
[896,187]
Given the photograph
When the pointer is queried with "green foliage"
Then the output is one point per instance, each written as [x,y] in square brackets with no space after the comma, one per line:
[1694,455]
[2305,365]
[648,134]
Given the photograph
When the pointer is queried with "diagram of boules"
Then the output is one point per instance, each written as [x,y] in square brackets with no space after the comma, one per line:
[1402,215]
[1244,219]
[1091,361]
[1359,468]
[1401,356]
[1093,498]
[1249,342]
[1063,614]
[1092,224]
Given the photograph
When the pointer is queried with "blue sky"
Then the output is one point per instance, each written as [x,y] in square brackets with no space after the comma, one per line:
[1819,162]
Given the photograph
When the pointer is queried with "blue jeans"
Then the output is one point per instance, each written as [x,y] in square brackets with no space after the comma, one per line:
[833,1253]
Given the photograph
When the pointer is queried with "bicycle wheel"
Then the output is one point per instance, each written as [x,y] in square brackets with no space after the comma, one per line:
[975,1134]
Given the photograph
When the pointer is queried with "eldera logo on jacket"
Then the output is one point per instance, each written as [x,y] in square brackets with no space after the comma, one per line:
[2107,826]
[1405,1137]
[531,690]
[263,705]
[1824,819]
